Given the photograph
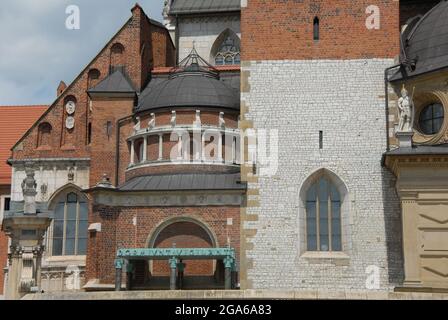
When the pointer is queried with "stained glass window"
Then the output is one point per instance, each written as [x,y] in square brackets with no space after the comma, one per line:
[70,226]
[228,52]
[323,217]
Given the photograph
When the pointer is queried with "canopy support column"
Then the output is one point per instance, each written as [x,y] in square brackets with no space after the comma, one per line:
[173,275]
[118,273]
[228,265]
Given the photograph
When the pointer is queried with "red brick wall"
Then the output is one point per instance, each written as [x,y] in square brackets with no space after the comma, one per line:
[103,146]
[283,29]
[164,53]
[118,231]
[134,35]
[184,235]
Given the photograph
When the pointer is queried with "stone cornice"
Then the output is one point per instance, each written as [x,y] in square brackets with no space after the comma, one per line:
[395,162]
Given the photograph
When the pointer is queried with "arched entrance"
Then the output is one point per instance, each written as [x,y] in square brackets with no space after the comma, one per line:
[186,233]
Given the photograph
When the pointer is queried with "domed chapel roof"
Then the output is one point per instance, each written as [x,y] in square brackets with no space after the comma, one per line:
[193,83]
[425,43]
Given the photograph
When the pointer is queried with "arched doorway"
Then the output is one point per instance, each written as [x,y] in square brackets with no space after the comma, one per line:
[196,274]
[184,234]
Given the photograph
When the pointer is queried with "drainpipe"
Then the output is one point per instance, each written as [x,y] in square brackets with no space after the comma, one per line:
[176,36]
[117,153]
[386,86]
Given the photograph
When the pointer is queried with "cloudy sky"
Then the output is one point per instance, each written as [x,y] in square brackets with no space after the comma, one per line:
[37,50]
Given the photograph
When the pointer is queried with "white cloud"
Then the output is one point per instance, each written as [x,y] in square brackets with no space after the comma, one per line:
[37,51]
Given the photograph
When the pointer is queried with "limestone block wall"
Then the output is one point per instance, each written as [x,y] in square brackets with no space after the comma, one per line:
[53,175]
[204,31]
[345,100]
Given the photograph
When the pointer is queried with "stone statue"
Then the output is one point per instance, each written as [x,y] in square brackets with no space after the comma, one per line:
[222,122]
[406,112]
[152,122]
[137,126]
[173,118]
[29,186]
[197,122]
[166,8]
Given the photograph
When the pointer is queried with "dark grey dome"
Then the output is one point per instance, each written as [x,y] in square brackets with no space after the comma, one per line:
[425,43]
[195,88]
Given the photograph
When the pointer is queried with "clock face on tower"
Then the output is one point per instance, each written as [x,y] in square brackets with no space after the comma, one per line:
[70,107]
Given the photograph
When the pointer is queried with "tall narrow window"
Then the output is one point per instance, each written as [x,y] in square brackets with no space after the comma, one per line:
[89,133]
[323,217]
[70,226]
[321,139]
[316,31]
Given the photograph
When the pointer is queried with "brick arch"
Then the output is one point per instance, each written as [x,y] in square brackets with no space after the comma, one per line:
[160,227]
[185,232]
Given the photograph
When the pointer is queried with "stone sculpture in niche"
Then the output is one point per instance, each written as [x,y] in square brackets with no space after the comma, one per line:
[29,186]
[406,112]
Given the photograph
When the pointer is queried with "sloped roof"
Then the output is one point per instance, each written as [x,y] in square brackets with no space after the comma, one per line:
[426,43]
[14,122]
[204,6]
[191,181]
[115,82]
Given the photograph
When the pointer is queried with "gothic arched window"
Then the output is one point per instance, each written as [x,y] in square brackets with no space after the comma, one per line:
[226,50]
[70,226]
[323,216]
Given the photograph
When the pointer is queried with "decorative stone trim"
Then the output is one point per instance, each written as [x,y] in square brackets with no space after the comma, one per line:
[154,199]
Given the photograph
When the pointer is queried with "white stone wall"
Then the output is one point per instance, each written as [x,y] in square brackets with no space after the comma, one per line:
[344,99]
[53,174]
[204,32]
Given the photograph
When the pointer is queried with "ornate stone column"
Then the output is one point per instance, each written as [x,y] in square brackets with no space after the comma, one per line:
[26,229]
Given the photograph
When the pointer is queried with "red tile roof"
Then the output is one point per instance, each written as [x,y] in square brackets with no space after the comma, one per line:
[14,122]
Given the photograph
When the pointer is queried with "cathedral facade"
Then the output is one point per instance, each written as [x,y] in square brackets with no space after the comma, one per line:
[289,145]
[347,102]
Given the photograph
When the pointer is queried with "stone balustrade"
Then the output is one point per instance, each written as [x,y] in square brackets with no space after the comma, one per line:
[189,144]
